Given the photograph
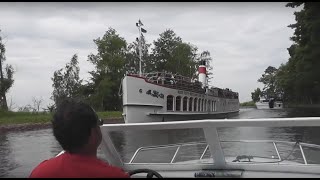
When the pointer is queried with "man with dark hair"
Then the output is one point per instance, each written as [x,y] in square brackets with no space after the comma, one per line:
[76,128]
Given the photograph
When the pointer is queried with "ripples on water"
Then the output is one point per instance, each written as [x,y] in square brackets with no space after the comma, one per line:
[20,152]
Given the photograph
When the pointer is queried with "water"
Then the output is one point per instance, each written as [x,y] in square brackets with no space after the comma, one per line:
[20,152]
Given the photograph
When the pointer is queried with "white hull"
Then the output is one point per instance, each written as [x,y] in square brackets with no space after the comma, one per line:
[147,102]
[262,105]
[278,105]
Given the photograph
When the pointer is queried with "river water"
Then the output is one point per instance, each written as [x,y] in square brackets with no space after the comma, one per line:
[20,152]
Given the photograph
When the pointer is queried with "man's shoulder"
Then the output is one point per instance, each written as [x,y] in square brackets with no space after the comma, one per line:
[109,170]
[45,167]
[42,168]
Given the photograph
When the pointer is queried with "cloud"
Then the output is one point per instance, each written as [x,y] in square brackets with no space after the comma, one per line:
[243,38]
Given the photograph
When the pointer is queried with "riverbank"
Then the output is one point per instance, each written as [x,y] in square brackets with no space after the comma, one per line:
[10,118]
[36,126]
[22,121]
[249,104]
[247,107]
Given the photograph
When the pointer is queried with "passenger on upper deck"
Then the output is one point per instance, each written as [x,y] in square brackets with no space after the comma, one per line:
[76,128]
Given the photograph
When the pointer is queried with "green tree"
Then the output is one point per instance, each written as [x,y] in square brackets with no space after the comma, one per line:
[182,60]
[109,63]
[6,77]
[163,50]
[268,79]
[173,55]
[255,95]
[303,65]
[66,82]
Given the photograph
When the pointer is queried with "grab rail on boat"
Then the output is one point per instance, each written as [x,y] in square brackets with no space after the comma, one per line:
[179,145]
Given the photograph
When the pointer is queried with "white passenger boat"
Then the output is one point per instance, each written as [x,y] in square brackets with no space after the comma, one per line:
[161,97]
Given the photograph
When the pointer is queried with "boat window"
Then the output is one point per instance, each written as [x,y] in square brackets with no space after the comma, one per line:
[254,152]
[209,105]
[199,104]
[190,103]
[195,104]
[170,103]
[205,105]
[185,103]
[171,146]
[178,103]
[202,105]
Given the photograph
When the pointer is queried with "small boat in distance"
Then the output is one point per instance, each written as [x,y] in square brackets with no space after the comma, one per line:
[271,103]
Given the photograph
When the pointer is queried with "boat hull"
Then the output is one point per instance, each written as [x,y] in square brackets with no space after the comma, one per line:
[147,102]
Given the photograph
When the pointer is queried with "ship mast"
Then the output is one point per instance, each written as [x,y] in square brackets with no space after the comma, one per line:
[141,30]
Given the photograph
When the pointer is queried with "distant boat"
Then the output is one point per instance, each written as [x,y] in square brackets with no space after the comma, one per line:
[269,104]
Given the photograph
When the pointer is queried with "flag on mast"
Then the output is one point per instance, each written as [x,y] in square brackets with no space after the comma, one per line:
[140,23]
[143,30]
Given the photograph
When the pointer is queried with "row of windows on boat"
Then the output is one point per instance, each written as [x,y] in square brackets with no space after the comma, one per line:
[190,104]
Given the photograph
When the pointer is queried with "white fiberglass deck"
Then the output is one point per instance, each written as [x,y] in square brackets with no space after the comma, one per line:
[255,158]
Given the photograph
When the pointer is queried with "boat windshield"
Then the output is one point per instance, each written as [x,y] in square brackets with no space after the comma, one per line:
[191,145]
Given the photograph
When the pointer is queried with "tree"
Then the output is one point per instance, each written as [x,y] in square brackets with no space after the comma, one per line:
[6,77]
[109,63]
[303,65]
[256,94]
[173,55]
[268,79]
[182,60]
[66,82]
[50,108]
[163,50]
[36,103]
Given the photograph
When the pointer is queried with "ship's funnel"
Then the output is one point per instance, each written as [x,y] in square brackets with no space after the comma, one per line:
[202,73]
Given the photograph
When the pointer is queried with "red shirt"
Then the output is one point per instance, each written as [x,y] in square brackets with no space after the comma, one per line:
[73,166]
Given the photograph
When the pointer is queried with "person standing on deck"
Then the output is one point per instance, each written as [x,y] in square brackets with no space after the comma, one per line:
[76,128]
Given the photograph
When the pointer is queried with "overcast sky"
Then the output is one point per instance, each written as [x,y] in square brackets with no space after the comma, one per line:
[243,38]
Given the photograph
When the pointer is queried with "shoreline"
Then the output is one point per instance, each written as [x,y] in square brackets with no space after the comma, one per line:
[38,126]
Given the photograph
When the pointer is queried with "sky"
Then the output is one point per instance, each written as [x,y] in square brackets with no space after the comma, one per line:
[244,38]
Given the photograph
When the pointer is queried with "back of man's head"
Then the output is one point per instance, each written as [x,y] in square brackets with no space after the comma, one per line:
[72,124]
